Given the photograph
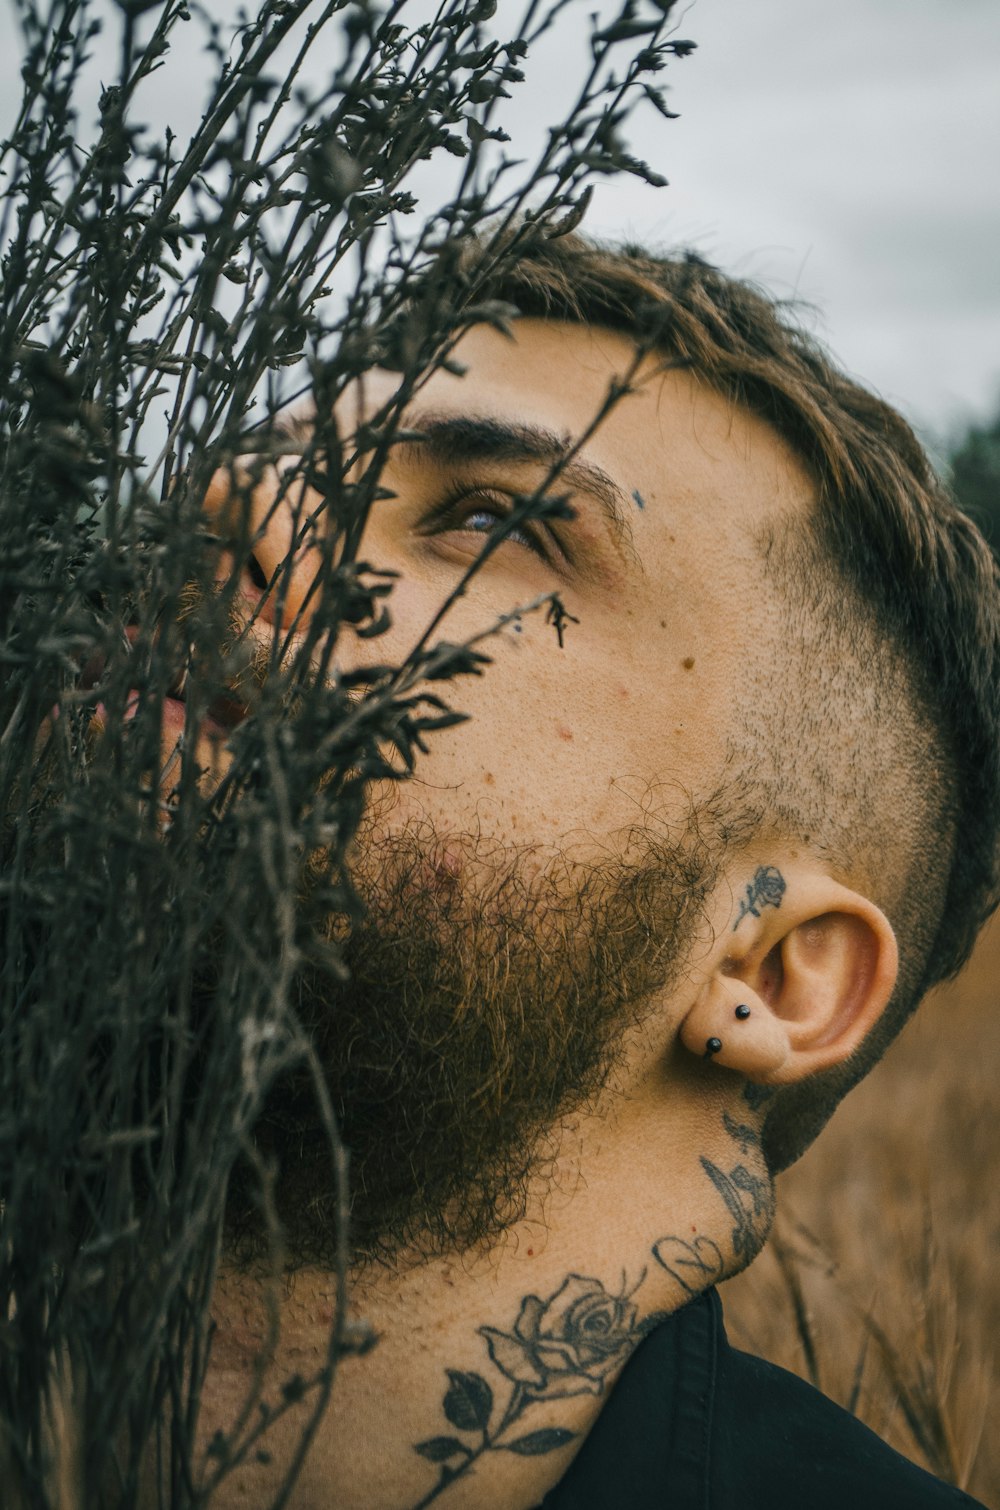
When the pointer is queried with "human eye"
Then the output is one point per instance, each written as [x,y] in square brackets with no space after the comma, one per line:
[476,514]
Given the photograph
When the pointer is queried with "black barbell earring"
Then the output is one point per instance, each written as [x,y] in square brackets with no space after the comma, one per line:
[742,1012]
[713,1046]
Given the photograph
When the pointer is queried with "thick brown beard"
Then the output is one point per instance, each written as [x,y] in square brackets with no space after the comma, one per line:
[489,993]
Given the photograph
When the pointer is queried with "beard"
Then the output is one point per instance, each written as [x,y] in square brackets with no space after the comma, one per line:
[488,993]
[482,995]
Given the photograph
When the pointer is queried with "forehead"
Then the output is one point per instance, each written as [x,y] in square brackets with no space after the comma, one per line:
[687,461]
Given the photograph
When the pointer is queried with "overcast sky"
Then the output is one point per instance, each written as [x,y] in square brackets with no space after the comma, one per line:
[845,154]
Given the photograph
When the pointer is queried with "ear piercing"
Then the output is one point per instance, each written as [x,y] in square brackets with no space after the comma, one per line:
[713,1045]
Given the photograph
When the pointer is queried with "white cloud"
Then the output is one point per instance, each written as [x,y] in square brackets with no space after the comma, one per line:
[846,153]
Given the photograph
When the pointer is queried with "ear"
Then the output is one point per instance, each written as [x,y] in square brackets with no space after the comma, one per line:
[810,972]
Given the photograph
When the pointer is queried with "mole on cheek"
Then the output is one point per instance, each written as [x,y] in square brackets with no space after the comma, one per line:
[488,778]
[688,663]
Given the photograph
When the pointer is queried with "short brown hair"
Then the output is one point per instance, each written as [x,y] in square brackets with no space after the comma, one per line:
[892,585]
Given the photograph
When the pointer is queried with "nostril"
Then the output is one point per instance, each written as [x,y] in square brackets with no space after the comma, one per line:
[256,571]
[227,711]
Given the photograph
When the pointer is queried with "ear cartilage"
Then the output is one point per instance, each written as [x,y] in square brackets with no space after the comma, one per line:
[713,1046]
[742,1012]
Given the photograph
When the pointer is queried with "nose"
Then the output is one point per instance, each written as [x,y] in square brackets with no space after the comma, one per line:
[274,520]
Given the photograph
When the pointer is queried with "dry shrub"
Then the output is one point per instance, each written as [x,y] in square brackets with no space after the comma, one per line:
[164,294]
[880,1283]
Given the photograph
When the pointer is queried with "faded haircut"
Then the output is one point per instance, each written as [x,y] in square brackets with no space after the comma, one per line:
[880,747]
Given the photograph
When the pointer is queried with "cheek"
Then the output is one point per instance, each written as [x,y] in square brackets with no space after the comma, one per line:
[593,737]
[409,606]
[416,602]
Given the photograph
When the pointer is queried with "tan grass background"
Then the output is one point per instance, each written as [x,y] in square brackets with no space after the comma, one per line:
[882,1280]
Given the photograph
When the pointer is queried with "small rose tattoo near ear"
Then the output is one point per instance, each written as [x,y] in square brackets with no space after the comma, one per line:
[765,890]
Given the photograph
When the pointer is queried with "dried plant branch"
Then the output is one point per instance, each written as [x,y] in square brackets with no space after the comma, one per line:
[161,300]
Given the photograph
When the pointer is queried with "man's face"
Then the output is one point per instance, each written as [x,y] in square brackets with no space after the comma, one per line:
[659,567]
[538,885]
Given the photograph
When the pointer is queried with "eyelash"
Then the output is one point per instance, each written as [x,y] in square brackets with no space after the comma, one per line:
[462,505]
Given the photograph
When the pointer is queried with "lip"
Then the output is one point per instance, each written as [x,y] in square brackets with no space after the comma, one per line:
[223,714]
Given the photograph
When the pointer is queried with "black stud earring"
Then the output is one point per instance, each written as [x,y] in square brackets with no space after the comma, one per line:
[712,1046]
[742,1012]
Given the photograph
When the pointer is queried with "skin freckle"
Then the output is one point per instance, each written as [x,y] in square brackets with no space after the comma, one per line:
[563,732]
[688,663]
[489,778]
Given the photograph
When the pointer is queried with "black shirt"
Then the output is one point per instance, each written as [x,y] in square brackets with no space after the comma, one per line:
[692,1424]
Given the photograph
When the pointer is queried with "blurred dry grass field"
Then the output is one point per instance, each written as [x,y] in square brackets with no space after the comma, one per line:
[882,1281]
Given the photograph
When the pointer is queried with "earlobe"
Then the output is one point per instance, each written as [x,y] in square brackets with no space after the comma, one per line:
[809,984]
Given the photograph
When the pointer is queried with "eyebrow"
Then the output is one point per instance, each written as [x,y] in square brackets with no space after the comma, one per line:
[465,438]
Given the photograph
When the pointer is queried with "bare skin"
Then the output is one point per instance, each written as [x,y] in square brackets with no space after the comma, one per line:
[659,1190]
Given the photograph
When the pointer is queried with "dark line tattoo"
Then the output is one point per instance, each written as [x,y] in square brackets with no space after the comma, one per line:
[765,890]
[757,1096]
[741,1132]
[569,1344]
[575,1340]
[748,1197]
[694,1265]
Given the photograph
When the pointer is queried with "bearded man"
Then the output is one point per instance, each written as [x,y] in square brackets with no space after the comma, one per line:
[631,933]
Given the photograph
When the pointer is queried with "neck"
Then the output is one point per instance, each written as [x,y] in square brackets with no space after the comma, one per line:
[488,1370]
